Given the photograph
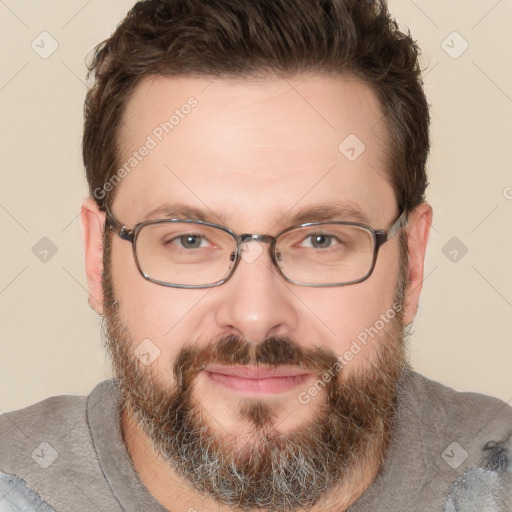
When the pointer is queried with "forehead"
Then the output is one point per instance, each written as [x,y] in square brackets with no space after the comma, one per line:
[253,147]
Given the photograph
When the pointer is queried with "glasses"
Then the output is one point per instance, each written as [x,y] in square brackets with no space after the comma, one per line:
[185,253]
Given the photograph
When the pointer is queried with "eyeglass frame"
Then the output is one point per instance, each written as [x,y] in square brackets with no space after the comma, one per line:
[379,238]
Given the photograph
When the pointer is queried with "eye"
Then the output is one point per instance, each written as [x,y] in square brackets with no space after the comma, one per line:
[189,241]
[320,241]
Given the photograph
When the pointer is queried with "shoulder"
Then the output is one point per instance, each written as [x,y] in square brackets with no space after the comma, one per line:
[445,410]
[49,449]
[467,439]
[54,416]
[49,412]
[28,435]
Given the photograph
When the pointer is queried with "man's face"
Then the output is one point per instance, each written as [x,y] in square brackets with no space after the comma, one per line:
[253,156]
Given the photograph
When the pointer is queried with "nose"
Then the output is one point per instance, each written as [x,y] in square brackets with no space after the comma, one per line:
[256,302]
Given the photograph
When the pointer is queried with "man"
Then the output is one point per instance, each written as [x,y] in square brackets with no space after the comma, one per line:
[254,242]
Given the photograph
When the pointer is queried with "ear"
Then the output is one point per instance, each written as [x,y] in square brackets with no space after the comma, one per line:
[92,223]
[417,230]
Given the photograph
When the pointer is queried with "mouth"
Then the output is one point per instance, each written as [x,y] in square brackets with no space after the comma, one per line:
[258,380]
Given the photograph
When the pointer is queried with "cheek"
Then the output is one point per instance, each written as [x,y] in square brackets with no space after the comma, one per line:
[163,315]
[349,313]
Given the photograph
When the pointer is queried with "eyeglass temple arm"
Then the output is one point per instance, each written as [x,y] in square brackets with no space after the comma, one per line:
[119,228]
[384,236]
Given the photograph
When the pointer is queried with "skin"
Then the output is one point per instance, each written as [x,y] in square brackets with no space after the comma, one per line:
[252,154]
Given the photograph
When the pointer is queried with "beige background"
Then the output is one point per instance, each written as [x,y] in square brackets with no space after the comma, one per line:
[50,338]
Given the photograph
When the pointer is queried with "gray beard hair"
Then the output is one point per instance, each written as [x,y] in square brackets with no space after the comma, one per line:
[273,471]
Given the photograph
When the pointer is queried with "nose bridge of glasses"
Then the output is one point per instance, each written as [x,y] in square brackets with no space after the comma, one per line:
[247,237]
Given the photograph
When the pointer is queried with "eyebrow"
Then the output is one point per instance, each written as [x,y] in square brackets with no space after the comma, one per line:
[331,211]
[325,212]
[182,211]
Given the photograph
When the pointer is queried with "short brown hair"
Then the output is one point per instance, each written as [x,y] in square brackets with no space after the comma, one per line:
[243,38]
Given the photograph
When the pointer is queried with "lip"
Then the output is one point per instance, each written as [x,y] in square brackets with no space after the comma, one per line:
[257,379]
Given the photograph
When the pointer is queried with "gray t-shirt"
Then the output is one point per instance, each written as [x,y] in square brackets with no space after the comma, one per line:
[67,454]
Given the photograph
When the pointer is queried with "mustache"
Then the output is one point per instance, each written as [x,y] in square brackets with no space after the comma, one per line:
[234,350]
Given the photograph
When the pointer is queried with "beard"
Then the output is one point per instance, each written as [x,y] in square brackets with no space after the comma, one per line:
[264,468]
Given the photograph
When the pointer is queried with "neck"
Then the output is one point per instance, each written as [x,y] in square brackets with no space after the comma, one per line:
[168,488]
